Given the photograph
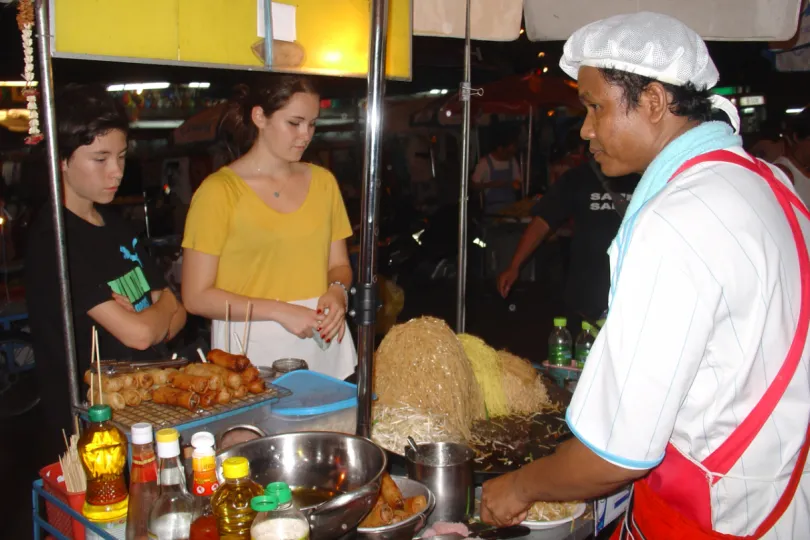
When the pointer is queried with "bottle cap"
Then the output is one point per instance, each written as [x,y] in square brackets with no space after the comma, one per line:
[202,440]
[142,433]
[99,413]
[280,491]
[586,326]
[560,321]
[235,467]
[264,503]
[168,443]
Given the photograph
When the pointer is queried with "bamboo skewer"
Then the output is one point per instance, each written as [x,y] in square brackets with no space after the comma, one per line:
[239,342]
[227,326]
[246,332]
[98,367]
[202,356]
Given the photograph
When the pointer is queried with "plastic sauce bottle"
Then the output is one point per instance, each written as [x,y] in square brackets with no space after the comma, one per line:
[170,518]
[285,522]
[143,487]
[559,344]
[103,451]
[584,343]
[204,465]
[231,502]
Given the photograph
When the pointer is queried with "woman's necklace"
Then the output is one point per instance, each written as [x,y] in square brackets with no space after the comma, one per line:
[276,193]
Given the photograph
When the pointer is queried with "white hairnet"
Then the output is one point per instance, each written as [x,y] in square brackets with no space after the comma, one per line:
[649,44]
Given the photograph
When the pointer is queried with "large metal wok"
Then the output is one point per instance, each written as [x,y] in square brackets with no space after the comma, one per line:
[350,465]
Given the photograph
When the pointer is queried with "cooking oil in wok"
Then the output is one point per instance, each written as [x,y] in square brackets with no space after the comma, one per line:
[312,496]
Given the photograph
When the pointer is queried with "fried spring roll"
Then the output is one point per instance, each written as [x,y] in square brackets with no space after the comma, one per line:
[146,394]
[231,379]
[256,387]
[240,392]
[167,395]
[414,505]
[250,374]
[184,381]
[208,399]
[379,516]
[128,380]
[131,396]
[234,362]
[115,400]
[108,384]
[399,515]
[391,493]
[224,396]
[144,379]
[159,376]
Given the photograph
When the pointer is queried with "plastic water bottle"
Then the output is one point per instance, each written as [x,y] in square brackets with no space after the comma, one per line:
[584,343]
[559,344]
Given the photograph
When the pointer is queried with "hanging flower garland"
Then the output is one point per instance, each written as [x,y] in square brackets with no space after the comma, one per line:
[25,21]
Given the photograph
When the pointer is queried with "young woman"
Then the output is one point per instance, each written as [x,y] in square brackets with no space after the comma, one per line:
[271,231]
[114,285]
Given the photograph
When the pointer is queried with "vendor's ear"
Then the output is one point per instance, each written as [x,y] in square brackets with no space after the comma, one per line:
[258,116]
[655,101]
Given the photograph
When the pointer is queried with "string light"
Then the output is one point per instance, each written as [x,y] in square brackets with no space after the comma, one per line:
[25,22]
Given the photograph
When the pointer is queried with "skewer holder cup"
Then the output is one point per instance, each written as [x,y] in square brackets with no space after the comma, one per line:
[447,470]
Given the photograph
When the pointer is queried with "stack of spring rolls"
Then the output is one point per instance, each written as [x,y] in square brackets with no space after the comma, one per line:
[391,507]
[224,378]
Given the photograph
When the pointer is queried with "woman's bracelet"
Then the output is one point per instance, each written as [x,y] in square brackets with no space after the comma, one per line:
[345,291]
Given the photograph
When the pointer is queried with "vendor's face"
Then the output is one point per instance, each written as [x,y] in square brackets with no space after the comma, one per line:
[287,132]
[619,136]
[95,170]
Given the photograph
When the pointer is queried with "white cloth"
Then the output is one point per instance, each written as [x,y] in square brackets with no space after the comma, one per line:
[801,182]
[702,317]
[268,341]
[653,45]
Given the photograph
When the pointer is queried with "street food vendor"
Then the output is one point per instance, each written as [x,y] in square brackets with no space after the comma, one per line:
[270,230]
[114,284]
[498,174]
[696,390]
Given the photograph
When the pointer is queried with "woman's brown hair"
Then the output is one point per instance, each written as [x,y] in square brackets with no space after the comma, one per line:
[271,95]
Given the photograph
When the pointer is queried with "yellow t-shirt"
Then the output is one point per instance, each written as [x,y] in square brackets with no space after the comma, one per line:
[263,253]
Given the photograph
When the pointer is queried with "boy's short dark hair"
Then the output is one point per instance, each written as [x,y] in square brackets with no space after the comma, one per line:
[83,112]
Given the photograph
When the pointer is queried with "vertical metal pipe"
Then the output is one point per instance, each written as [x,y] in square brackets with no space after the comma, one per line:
[42,32]
[461,285]
[367,279]
[528,180]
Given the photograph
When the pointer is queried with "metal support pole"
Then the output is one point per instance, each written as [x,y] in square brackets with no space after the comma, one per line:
[461,288]
[42,32]
[365,292]
[528,180]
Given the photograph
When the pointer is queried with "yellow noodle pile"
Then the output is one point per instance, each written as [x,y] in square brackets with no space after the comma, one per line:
[486,365]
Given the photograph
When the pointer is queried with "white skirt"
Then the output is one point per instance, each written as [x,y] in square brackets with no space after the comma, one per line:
[269,341]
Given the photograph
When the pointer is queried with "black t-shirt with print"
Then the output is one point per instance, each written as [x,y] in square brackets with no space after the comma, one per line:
[579,195]
[101,260]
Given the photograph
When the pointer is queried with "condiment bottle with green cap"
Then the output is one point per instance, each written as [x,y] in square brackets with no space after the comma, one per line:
[284,522]
[103,452]
[231,502]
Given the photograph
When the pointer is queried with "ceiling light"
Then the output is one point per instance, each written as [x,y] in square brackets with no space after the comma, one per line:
[545,70]
[795,110]
[199,85]
[541,54]
[137,86]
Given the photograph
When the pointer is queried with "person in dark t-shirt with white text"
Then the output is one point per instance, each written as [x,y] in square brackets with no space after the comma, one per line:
[578,195]
[114,285]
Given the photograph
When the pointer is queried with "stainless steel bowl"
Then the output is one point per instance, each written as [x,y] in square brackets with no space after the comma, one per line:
[407,529]
[348,464]
[286,365]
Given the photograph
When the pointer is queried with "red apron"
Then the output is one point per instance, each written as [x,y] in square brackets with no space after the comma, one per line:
[673,501]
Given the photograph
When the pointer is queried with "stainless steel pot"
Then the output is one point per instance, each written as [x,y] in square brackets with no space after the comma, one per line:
[348,464]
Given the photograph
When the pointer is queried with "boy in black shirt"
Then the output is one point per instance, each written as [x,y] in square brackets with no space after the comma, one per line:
[114,285]
[579,195]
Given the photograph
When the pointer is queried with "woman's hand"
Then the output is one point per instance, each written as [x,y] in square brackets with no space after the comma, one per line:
[299,320]
[332,307]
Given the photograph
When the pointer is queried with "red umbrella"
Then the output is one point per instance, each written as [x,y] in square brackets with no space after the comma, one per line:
[516,94]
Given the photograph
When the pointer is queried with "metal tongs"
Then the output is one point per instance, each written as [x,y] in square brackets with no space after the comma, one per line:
[111,367]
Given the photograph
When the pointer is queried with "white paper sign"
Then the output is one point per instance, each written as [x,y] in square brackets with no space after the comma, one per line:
[283,21]
[606,511]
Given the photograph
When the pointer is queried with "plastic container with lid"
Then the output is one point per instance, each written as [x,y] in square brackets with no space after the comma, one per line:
[278,519]
[318,403]
[231,502]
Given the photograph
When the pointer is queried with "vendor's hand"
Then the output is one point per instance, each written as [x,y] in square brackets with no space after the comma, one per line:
[299,320]
[124,302]
[506,280]
[502,503]
[332,307]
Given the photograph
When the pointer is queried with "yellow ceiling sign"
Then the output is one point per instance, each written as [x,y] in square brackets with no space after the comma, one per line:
[331,36]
